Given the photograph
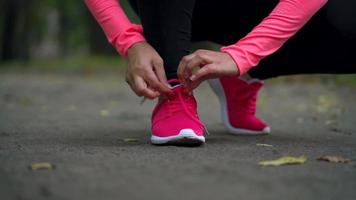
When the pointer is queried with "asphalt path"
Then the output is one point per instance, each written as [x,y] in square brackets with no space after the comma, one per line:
[95,133]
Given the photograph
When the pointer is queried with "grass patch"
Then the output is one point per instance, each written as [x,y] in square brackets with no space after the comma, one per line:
[70,64]
[98,64]
[344,79]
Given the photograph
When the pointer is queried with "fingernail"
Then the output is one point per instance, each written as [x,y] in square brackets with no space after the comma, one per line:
[186,76]
[192,78]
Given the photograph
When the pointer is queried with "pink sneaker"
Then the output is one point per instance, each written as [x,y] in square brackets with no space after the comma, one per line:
[238,105]
[175,119]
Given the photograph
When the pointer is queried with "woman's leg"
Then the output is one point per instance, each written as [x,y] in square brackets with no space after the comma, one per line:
[226,21]
[326,44]
[320,47]
[167,27]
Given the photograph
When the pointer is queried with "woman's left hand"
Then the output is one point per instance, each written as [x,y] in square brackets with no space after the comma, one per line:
[211,64]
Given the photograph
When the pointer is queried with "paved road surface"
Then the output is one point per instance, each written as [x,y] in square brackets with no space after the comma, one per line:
[81,123]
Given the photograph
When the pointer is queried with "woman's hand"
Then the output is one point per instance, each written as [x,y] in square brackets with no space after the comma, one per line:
[145,72]
[211,64]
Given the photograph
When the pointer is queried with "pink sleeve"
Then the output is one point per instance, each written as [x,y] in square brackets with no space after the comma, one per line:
[120,32]
[266,38]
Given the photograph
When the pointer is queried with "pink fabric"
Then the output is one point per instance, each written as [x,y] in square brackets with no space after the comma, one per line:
[241,100]
[120,32]
[266,38]
[172,114]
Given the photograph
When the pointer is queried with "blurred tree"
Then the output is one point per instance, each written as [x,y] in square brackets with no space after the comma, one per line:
[16,22]
[96,38]
[51,28]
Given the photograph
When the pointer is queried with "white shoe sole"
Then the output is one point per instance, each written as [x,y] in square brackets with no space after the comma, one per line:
[185,137]
[219,91]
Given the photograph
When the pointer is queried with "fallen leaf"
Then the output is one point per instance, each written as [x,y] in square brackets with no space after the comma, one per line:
[325,103]
[104,113]
[41,165]
[286,160]
[264,145]
[72,108]
[334,159]
[113,103]
[300,120]
[25,102]
[131,140]
[330,122]
[343,131]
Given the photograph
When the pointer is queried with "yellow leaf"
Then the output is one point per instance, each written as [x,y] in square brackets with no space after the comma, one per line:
[264,145]
[325,103]
[72,108]
[131,140]
[286,160]
[334,159]
[42,165]
[104,113]
[25,101]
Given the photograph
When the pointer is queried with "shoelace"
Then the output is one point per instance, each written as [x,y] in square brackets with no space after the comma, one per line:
[173,106]
[185,105]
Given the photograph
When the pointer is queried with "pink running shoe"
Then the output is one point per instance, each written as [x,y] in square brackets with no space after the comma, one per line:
[175,119]
[238,105]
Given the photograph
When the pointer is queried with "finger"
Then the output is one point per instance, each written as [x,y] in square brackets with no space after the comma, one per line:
[197,82]
[194,62]
[130,82]
[128,79]
[141,89]
[193,85]
[154,83]
[182,65]
[160,73]
[204,71]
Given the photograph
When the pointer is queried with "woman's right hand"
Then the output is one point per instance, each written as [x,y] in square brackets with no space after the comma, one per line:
[145,72]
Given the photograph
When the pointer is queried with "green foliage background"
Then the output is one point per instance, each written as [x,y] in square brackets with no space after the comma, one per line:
[77,33]
[79,41]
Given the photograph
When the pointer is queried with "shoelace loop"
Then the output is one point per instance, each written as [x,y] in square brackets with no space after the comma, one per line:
[173,106]
[187,106]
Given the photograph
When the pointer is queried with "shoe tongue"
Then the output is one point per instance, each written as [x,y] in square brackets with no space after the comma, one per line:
[174,82]
[177,86]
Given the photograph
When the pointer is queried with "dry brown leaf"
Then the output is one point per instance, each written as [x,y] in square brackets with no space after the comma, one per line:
[334,159]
